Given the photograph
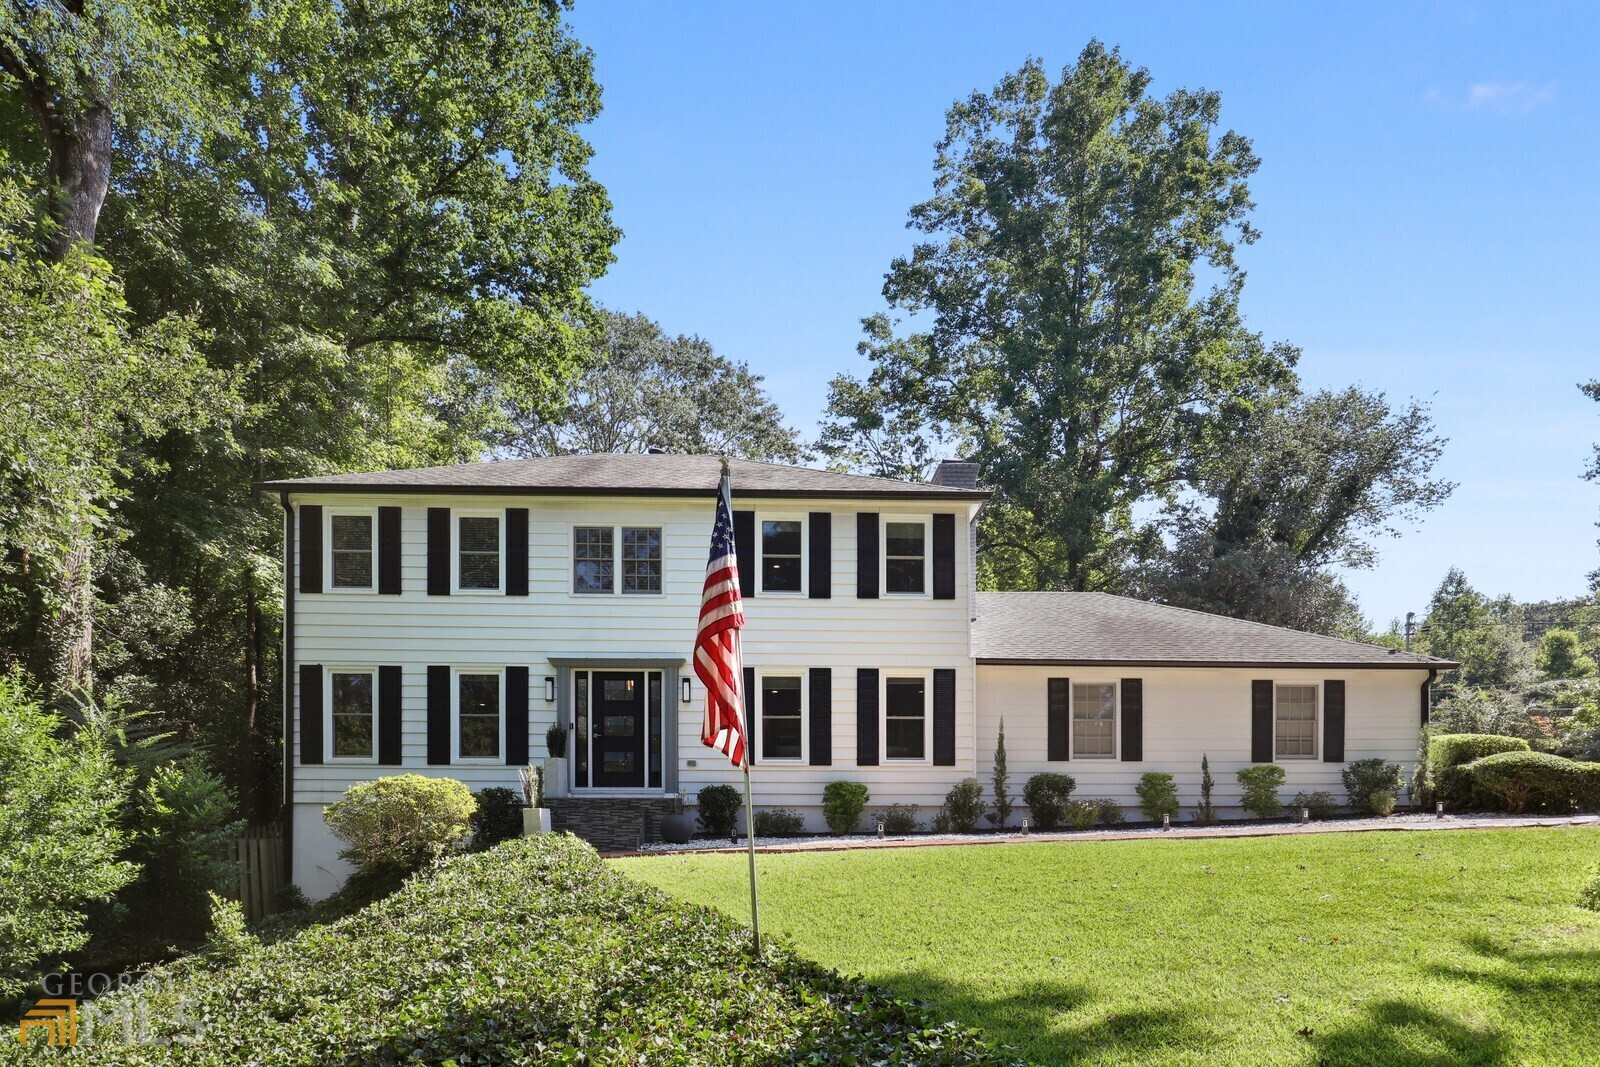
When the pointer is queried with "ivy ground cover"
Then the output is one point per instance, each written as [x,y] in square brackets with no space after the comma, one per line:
[1412,949]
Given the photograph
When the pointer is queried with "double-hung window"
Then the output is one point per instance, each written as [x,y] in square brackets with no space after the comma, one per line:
[478,552]
[595,562]
[905,717]
[350,544]
[1296,715]
[478,715]
[782,717]
[1094,720]
[351,705]
[780,565]
[905,555]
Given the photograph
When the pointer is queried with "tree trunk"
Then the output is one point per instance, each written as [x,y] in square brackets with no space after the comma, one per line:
[80,166]
[73,629]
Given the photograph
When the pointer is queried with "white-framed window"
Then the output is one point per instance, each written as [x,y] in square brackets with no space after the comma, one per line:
[1094,720]
[617,559]
[351,697]
[907,569]
[479,721]
[780,542]
[1295,726]
[480,562]
[781,701]
[906,700]
[350,556]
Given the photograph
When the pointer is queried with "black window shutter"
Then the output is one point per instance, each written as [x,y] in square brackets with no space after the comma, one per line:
[744,548]
[438,714]
[1261,721]
[821,535]
[517,556]
[1333,721]
[867,717]
[517,713]
[389,752]
[439,553]
[944,717]
[389,550]
[310,714]
[867,555]
[1132,720]
[944,557]
[311,548]
[821,716]
[752,713]
[1058,746]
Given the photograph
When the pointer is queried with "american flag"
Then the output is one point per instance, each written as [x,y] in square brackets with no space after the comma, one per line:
[716,649]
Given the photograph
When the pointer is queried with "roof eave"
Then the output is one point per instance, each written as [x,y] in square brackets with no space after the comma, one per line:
[967,495]
[1261,664]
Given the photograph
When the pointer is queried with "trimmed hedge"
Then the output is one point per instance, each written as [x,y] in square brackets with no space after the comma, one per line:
[1538,780]
[1449,752]
[535,952]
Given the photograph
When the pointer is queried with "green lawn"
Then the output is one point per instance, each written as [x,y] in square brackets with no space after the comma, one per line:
[1435,948]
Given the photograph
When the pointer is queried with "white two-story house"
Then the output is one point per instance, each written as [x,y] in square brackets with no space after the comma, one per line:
[440,620]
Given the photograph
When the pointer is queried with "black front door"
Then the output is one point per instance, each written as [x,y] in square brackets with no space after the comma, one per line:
[619,729]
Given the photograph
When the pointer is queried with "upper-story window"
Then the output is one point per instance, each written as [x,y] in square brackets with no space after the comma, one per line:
[780,566]
[350,724]
[1296,716]
[350,543]
[594,559]
[478,555]
[905,555]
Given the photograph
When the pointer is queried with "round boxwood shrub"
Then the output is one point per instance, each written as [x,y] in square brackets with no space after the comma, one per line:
[1046,795]
[401,821]
[1523,780]
[718,809]
[842,805]
[1158,795]
[780,822]
[963,806]
[1261,784]
[498,818]
[1447,753]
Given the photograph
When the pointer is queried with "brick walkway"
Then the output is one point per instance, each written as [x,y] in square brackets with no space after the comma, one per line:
[1402,823]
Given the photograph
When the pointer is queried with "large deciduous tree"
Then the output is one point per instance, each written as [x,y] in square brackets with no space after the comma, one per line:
[1074,308]
[646,390]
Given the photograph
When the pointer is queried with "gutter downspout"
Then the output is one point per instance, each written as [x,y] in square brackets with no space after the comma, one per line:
[1427,684]
[288,687]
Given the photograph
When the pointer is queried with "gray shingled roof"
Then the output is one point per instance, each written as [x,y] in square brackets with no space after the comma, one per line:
[1097,628]
[632,474]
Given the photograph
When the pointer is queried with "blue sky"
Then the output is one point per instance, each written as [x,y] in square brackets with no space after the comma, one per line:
[1427,199]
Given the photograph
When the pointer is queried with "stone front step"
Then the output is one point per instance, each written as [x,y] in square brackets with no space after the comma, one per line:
[611,824]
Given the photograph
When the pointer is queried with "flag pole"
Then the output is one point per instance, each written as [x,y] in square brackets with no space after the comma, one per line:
[749,806]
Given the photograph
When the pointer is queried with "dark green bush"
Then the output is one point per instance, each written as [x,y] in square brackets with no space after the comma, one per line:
[899,819]
[842,805]
[1046,795]
[1536,780]
[718,809]
[1364,777]
[1447,753]
[1081,814]
[1108,811]
[963,806]
[1158,795]
[780,822]
[534,953]
[181,819]
[396,824]
[1261,783]
[1320,804]
[498,818]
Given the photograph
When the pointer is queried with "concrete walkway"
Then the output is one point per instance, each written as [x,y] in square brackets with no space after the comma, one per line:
[1414,823]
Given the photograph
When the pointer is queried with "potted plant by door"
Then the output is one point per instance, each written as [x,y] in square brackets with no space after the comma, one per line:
[555,767]
[535,817]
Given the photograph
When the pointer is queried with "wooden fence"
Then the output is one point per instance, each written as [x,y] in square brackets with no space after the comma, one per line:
[258,858]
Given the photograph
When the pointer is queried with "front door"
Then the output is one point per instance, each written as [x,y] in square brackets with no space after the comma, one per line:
[619,729]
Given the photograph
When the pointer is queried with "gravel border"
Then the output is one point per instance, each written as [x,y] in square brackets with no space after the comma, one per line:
[1240,828]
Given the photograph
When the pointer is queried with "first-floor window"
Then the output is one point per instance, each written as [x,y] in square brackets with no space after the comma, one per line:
[780,717]
[478,716]
[1297,721]
[905,717]
[1094,716]
[351,707]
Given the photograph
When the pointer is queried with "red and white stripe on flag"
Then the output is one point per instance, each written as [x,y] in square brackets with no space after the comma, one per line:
[716,648]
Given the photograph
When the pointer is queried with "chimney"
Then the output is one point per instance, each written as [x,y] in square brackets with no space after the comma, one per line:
[957,474]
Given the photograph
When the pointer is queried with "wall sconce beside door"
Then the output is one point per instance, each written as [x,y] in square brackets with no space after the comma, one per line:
[550,689]
[688,690]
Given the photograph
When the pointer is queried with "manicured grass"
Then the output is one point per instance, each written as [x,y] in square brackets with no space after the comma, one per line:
[1434,948]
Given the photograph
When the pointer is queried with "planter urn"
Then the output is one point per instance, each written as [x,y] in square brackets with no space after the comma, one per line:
[677,829]
[555,777]
[535,821]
